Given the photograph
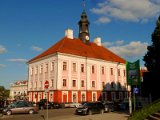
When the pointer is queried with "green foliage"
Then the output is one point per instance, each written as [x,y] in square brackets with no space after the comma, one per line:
[4,93]
[152,62]
[152,57]
[146,111]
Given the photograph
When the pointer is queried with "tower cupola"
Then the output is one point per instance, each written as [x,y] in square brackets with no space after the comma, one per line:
[84,28]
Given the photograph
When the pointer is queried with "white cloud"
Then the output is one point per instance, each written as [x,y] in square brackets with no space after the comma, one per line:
[36,48]
[2,65]
[119,42]
[128,10]
[134,48]
[103,20]
[109,44]
[2,49]
[18,60]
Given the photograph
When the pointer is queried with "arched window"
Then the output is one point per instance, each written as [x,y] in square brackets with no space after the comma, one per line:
[83,97]
[119,85]
[74,98]
[94,96]
[112,85]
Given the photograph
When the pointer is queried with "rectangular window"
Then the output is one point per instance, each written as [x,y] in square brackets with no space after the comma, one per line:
[41,83]
[41,69]
[74,83]
[36,84]
[119,72]
[74,67]
[93,83]
[93,69]
[31,71]
[52,66]
[82,67]
[124,72]
[31,85]
[102,70]
[64,66]
[103,84]
[46,68]
[82,83]
[36,71]
[64,82]
[52,83]
[111,70]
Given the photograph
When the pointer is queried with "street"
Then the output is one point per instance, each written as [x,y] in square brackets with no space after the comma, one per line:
[66,114]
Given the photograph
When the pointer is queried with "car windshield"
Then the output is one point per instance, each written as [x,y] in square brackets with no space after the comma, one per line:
[87,104]
[20,104]
[12,105]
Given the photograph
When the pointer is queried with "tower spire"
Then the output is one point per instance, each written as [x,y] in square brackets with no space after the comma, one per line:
[84,27]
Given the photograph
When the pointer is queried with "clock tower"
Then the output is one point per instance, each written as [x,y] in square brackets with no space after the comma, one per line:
[84,28]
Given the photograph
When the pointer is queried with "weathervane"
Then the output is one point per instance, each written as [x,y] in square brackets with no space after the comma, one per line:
[84,5]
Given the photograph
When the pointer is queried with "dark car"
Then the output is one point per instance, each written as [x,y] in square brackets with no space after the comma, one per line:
[43,104]
[20,107]
[124,105]
[55,105]
[1,109]
[89,108]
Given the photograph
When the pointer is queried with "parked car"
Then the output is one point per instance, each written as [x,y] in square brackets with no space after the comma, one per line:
[74,104]
[43,104]
[124,105]
[33,103]
[66,104]
[82,103]
[89,108]
[55,105]
[109,106]
[20,107]
[1,109]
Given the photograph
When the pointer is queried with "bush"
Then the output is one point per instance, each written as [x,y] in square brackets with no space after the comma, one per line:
[146,111]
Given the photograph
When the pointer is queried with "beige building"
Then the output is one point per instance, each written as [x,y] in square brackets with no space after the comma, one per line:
[18,90]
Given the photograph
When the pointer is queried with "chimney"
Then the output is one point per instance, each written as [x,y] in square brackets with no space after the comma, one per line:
[69,33]
[97,40]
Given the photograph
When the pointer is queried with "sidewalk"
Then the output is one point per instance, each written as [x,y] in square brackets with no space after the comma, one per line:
[105,116]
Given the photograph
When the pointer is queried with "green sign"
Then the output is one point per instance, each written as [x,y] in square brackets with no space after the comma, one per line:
[133,73]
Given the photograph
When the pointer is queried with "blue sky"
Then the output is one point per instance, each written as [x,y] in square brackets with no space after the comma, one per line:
[28,27]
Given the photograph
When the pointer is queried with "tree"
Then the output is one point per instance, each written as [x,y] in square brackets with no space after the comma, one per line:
[4,93]
[152,60]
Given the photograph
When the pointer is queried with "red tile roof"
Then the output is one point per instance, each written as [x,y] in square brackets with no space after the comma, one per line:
[77,47]
[20,82]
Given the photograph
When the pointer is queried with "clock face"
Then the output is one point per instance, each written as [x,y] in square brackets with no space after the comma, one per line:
[87,37]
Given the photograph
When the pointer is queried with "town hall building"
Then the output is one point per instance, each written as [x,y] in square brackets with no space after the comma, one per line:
[77,70]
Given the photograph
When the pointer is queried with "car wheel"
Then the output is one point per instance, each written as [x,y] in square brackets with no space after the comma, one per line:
[89,112]
[102,111]
[8,112]
[31,111]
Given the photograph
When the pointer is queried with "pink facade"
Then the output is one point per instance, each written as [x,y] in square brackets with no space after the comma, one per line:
[76,79]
